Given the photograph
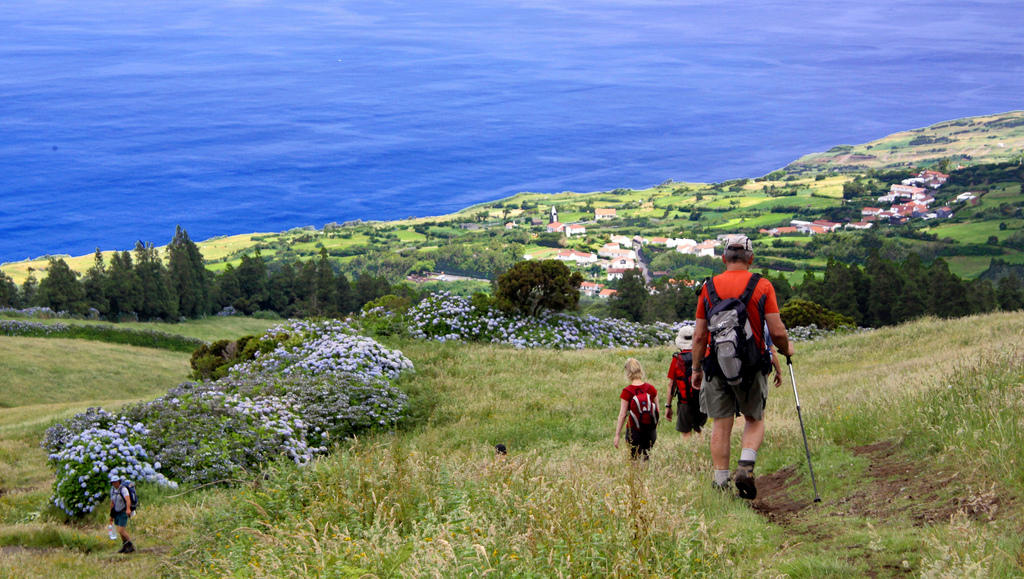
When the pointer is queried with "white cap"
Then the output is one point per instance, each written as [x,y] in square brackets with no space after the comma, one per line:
[739,241]
[684,339]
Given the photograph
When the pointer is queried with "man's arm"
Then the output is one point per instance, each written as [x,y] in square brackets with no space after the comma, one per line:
[777,330]
[700,344]
[127,500]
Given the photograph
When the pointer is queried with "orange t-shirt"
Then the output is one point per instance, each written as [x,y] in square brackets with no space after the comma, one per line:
[731,284]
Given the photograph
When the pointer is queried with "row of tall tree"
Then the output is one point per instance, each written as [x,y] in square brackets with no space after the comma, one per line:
[881,293]
[141,285]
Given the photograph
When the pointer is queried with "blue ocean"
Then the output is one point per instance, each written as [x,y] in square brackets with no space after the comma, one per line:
[120,120]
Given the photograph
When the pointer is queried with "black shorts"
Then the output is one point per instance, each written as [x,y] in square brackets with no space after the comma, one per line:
[641,441]
[689,417]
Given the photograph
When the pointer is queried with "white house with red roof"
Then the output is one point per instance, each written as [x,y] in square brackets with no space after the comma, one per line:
[617,272]
[608,250]
[603,213]
[934,179]
[622,240]
[574,229]
[580,257]
[556,227]
[607,293]
[828,226]
[591,289]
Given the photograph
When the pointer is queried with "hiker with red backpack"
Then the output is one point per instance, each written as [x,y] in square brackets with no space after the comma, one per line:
[737,323]
[689,418]
[638,405]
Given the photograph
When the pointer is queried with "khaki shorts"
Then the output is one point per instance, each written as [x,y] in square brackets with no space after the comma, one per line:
[719,400]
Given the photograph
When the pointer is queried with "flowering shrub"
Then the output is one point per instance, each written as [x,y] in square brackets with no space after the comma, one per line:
[333,406]
[88,458]
[35,312]
[60,435]
[445,317]
[322,348]
[201,434]
[305,385]
[30,329]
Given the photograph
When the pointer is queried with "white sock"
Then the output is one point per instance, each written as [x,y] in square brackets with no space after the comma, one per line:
[721,476]
[748,454]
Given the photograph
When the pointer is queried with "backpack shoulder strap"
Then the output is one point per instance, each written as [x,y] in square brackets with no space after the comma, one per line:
[751,286]
[712,293]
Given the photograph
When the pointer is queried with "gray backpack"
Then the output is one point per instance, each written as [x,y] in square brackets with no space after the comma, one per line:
[735,355]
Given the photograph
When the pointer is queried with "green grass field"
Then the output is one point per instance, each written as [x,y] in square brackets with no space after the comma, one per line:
[914,430]
[210,328]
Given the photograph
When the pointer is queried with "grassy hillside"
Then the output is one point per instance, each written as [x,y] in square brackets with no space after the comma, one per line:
[915,432]
[45,380]
[968,141]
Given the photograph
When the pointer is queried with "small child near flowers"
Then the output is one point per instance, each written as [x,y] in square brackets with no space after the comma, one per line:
[638,403]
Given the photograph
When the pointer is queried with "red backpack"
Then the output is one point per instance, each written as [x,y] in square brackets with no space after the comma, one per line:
[643,412]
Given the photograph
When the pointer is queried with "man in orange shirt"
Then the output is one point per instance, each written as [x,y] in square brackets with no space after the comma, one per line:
[718,399]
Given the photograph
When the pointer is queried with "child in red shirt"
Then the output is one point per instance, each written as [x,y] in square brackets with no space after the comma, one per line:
[689,417]
[639,403]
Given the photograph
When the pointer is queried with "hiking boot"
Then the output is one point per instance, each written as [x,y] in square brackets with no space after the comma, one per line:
[725,487]
[124,545]
[745,480]
[128,548]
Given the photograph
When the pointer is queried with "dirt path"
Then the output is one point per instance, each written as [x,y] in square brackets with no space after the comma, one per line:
[895,487]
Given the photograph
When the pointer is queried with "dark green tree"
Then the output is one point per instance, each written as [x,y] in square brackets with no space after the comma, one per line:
[227,290]
[8,291]
[122,289]
[885,290]
[948,297]
[345,294]
[913,302]
[981,296]
[1009,293]
[281,289]
[158,300]
[95,283]
[326,286]
[840,289]
[631,297]
[60,290]
[252,284]
[530,287]
[188,275]
[29,290]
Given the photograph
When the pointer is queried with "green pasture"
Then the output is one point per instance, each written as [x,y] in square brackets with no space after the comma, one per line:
[972,232]
[410,236]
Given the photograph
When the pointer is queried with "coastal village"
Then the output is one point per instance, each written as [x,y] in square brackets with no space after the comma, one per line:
[912,198]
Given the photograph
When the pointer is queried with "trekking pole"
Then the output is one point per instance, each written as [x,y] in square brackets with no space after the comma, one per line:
[789,362]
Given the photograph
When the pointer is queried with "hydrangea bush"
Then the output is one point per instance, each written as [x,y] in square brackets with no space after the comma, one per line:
[311,384]
[446,317]
[201,434]
[88,459]
[322,348]
[333,406]
[30,329]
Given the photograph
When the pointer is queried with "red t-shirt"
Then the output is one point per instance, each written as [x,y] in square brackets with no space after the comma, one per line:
[731,284]
[677,374]
[629,391]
